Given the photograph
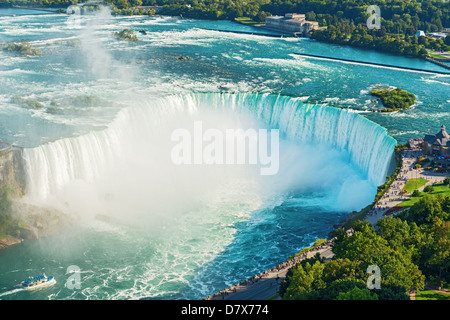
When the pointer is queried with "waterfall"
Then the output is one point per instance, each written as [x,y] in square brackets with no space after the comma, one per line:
[370,146]
[53,165]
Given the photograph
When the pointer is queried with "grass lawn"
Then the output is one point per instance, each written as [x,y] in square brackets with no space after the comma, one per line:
[247,20]
[317,243]
[431,295]
[437,56]
[414,184]
[438,188]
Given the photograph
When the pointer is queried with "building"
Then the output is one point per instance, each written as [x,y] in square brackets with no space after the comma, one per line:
[420,33]
[437,35]
[438,144]
[291,23]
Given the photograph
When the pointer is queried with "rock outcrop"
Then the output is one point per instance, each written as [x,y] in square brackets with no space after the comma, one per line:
[19,220]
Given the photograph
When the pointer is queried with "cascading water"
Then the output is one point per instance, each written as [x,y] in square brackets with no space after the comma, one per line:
[190,230]
[52,166]
[368,143]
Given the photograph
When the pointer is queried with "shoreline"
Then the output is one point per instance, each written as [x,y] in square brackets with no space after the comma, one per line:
[34,222]
[265,285]
[262,26]
[387,204]
[9,241]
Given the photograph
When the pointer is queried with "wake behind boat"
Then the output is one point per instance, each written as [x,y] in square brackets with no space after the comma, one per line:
[37,282]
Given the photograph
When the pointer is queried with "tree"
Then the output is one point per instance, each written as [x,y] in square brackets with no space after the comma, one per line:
[310,16]
[362,245]
[391,292]
[357,294]
[304,280]
[343,268]
[429,207]
[338,286]
[435,258]
[447,40]
[122,4]
[135,3]
[395,230]
[395,262]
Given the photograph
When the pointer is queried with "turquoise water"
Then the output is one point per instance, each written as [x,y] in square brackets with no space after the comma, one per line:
[185,233]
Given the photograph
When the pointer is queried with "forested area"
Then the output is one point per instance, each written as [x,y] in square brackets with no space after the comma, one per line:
[345,19]
[398,16]
[409,249]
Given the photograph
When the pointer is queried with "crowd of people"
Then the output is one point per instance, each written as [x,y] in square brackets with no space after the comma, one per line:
[395,194]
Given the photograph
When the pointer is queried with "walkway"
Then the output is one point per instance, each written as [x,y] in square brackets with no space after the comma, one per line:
[266,284]
[393,196]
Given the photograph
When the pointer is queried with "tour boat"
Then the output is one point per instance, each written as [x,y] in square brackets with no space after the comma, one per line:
[37,282]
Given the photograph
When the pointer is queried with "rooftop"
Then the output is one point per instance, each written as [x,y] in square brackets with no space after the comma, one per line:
[289,16]
[442,137]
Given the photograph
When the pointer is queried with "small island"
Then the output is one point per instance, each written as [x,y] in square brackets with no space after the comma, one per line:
[395,99]
[125,34]
[27,103]
[77,105]
[23,48]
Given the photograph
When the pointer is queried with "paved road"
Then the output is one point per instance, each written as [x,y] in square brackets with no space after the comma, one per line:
[268,284]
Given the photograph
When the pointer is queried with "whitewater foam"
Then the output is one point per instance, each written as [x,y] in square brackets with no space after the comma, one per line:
[53,166]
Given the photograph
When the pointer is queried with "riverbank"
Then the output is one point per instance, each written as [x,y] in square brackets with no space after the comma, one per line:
[31,222]
[9,241]
[389,203]
[393,200]
[266,284]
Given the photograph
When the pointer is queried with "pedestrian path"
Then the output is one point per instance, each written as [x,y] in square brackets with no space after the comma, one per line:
[393,197]
[265,285]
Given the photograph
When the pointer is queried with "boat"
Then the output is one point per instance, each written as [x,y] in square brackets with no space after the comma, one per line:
[37,282]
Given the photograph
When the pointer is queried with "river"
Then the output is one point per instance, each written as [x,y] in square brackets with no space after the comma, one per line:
[186,232]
